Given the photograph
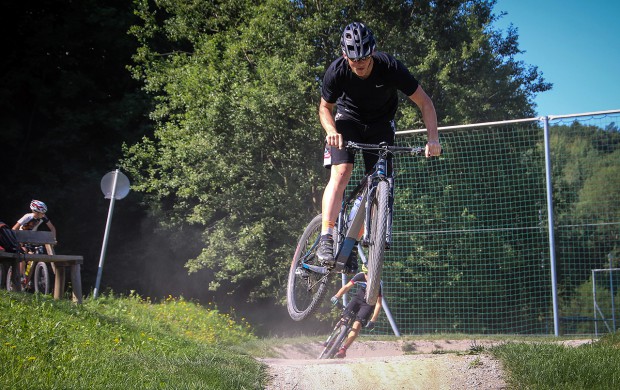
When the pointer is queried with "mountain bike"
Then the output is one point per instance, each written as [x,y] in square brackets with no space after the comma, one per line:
[367,207]
[37,276]
[338,335]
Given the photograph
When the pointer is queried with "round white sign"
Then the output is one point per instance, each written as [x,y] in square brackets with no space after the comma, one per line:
[122,185]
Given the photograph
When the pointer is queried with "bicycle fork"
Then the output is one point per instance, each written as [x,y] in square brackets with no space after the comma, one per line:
[388,230]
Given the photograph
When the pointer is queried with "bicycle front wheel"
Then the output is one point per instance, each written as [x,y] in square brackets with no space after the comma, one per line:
[329,343]
[306,288]
[376,250]
[339,335]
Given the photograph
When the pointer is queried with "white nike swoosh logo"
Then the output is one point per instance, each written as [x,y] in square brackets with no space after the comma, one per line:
[379,85]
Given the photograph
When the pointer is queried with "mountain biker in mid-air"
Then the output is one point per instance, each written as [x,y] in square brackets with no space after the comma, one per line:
[365,314]
[362,86]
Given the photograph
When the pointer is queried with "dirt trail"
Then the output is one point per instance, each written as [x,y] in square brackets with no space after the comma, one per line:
[378,365]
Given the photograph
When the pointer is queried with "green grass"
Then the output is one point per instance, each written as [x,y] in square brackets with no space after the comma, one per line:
[548,365]
[122,343]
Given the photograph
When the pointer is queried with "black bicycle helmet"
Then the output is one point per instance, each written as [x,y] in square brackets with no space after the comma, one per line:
[357,41]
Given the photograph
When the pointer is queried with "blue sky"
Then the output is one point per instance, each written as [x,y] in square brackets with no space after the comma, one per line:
[576,46]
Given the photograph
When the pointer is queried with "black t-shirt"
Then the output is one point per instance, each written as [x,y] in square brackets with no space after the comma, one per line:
[370,100]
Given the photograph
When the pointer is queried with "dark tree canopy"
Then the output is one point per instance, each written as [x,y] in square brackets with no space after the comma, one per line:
[68,104]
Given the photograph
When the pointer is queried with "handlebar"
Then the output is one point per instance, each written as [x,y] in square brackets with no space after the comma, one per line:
[385,147]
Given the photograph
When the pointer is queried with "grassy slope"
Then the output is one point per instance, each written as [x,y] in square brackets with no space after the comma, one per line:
[124,343]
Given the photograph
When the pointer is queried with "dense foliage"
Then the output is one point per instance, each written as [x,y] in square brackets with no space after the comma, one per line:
[237,144]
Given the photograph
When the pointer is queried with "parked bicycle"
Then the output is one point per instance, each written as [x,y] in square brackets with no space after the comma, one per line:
[367,207]
[37,276]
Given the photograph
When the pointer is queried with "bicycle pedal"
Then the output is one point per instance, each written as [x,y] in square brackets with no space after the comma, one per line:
[301,272]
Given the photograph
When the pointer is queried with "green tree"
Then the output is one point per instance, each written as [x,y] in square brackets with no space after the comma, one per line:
[235,132]
[466,65]
[237,144]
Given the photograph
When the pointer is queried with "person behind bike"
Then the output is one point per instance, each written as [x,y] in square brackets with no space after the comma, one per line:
[365,314]
[362,87]
[32,221]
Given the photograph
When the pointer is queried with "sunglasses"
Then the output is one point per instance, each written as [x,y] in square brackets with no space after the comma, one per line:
[361,59]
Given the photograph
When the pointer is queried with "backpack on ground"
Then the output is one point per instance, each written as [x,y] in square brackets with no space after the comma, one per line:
[8,240]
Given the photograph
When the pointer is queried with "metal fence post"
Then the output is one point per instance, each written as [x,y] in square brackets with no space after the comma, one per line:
[595,303]
[554,288]
[611,289]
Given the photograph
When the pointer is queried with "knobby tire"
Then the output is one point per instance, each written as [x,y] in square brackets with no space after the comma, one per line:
[11,285]
[376,250]
[304,294]
[342,331]
[329,343]
[42,279]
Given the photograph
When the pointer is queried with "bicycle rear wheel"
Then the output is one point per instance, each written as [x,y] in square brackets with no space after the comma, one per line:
[376,250]
[306,288]
[42,279]
[12,285]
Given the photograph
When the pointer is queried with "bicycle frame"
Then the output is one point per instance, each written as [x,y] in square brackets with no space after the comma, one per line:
[366,188]
[347,240]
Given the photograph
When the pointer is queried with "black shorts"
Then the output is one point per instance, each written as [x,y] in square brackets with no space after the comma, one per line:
[361,309]
[368,134]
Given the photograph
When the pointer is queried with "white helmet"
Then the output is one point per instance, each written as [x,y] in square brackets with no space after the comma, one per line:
[38,206]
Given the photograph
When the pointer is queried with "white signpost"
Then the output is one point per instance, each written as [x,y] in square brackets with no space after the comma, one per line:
[114,185]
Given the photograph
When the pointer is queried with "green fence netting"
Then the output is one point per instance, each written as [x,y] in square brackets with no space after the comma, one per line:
[471,243]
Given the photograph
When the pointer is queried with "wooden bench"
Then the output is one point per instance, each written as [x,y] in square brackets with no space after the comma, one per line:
[59,262]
